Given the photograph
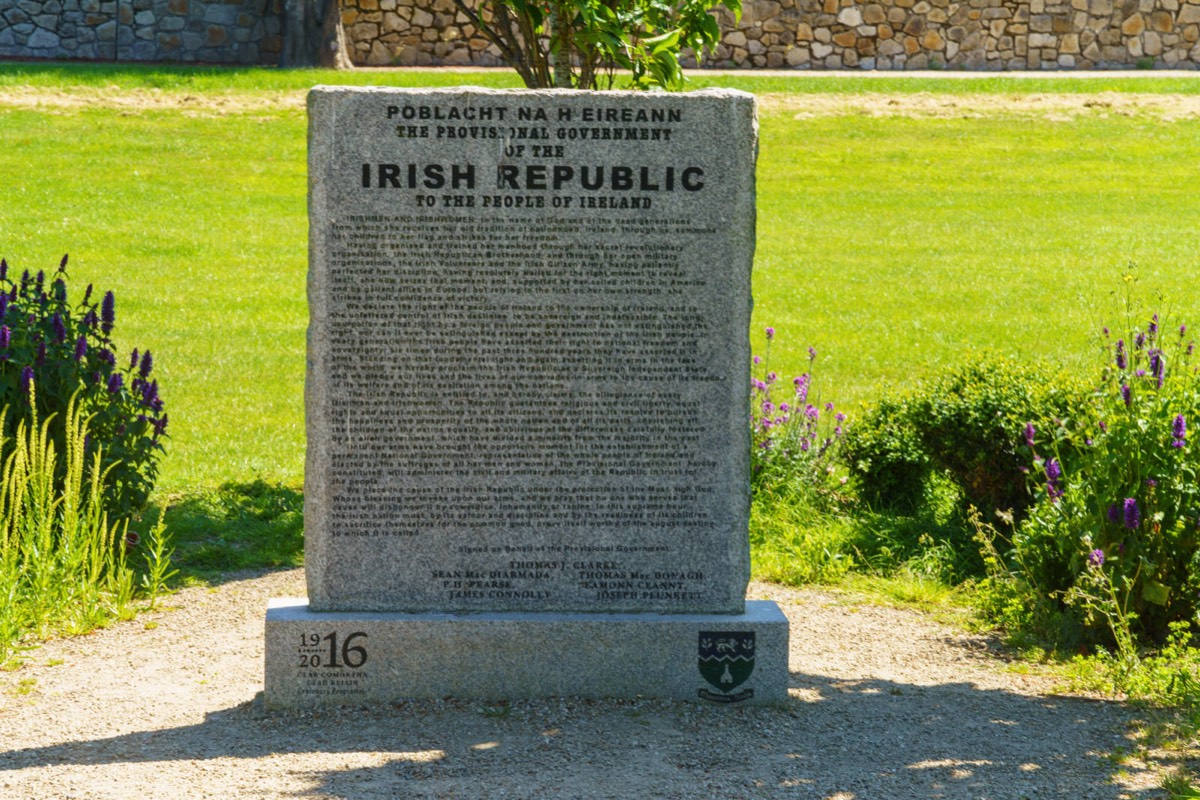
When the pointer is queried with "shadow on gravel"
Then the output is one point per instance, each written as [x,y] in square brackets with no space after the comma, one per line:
[848,740]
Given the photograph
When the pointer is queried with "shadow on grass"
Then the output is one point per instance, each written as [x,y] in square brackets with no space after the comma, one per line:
[869,738]
[237,526]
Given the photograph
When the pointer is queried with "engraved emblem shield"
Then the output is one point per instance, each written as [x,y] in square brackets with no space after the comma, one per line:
[726,658]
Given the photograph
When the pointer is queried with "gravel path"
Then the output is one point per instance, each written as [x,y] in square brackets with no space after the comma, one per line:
[885,703]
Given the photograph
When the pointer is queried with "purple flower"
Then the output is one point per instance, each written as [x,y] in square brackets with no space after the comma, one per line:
[41,353]
[1096,558]
[811,412]
[5,337]
[80,347]
[1103,426]
[1179,431]
[1126,394]
[1153,327]
[1114,513]
[767,407]
[1029,433]
[1121,362]
[1105,329]
[812,354]
[770,334]
[41,281]
[1182,331]
[146,365]
[114,383]
[1157,365]
[108,313]
[26,380]
[840,417]
[771,376]
[60,330]
[1140,341]
[802,383]
[87,295]
[1133,514]
[3,270]
[1151,482]
[133,359]
[757,359]
[1053,475]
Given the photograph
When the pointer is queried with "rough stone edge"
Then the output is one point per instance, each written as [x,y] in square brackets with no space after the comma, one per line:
[742,121]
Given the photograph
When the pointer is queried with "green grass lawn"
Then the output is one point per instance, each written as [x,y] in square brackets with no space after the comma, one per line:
[892,244]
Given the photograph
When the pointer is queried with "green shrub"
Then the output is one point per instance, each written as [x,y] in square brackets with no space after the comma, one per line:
[1115,534]
[67,350]
[965,423]
[885,456]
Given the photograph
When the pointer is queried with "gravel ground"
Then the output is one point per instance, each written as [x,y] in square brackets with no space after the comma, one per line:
[885,703]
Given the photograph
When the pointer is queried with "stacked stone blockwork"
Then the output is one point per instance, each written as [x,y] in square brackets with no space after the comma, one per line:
[227,32]
[800,34]
[838,34]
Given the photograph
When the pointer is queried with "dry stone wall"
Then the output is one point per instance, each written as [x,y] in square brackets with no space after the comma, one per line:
[799,34]
[225,32]
[840,34]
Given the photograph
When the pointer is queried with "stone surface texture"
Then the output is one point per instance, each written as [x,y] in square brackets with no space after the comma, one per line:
[528,350]
[204,31]
[385,657]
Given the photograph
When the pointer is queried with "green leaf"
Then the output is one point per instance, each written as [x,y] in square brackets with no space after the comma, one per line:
[1156,593]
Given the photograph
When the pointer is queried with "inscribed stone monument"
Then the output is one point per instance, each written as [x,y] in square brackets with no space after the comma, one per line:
[527,400]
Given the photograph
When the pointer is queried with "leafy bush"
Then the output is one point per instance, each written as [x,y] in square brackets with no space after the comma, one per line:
[61,347]
[1115,534]
[583,43]
[966,423]
[885,456]
[793,443]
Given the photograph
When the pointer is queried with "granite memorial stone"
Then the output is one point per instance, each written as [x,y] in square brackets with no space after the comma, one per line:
[526,400]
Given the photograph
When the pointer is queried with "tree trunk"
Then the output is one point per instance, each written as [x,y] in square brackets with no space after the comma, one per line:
[314,35]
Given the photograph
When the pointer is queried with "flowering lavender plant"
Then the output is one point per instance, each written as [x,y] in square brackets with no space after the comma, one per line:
[61,347]
[793,437]
[1120,478]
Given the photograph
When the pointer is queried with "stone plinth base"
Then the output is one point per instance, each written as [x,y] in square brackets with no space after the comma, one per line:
[354,658]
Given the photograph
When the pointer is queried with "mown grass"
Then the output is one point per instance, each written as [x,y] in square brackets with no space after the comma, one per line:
[257,79]
[893,244]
